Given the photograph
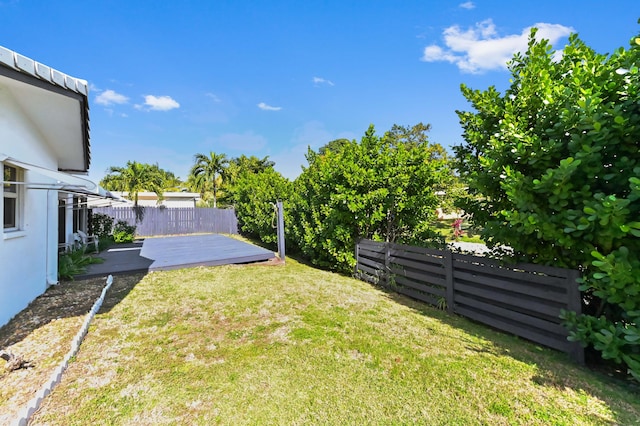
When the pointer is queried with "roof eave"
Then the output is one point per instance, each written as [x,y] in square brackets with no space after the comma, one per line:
[28,71]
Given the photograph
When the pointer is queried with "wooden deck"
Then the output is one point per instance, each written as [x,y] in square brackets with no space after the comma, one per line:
[165,253]
[200,250]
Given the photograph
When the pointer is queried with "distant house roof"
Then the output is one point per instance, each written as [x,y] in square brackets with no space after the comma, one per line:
[60,111]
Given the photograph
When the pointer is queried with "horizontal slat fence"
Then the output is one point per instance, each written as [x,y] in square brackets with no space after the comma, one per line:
[522,299]
[176,221]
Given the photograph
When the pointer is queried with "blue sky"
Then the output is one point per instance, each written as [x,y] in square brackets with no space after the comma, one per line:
[170,79]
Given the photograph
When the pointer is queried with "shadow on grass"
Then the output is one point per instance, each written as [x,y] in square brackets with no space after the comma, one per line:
[554,368]
[65,300]
[121,287]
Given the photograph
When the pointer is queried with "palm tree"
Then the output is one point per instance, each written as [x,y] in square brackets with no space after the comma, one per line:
[170,182]
[244,164]
[209,170]
[134,178]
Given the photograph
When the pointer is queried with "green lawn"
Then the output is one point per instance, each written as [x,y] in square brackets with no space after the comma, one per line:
[296,345]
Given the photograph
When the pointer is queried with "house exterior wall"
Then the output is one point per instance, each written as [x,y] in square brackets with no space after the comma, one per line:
[29,255]
[170,199]
[179,203]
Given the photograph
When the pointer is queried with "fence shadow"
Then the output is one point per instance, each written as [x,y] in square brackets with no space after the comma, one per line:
[553,368]
[522,299]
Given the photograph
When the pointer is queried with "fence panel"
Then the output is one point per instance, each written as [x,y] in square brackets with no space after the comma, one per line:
[175,221]
[418,273]
[370,258]
[524,300]
[521,299]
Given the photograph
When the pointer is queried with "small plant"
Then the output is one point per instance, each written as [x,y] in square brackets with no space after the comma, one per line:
[123,232]
[391,281]
[442,304]
[74,263]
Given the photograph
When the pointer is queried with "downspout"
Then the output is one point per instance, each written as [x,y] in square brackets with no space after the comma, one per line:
[50,281]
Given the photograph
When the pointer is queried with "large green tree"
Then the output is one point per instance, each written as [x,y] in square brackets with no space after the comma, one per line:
[553,170]
[244,164]
[170,182]
[377,188]
[208,172]
[134,178]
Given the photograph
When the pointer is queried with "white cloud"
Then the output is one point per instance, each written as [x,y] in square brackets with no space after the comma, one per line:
[480,48]
[467,5]
[158,103]
[266,107]
[213,97]
[319,80]
[109,97]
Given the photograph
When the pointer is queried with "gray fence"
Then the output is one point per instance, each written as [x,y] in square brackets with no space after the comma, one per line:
[523,299]
[176,221]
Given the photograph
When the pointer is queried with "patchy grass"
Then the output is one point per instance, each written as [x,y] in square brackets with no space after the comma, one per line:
[42,334]
[296,345]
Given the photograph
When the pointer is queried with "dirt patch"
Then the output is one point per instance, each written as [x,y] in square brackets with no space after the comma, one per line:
[42,334]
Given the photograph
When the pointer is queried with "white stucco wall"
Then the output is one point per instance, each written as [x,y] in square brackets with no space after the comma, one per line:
[28,257]
[170,199]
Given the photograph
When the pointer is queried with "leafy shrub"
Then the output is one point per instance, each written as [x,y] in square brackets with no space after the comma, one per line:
[552,166]
[382,188]
[74,263]
[254,194]
[102,225]
[123,232]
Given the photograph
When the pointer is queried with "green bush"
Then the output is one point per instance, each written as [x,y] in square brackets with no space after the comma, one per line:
[123,232]
[382,188]
[553,171]
[74,263]
[102,225]
[253,194]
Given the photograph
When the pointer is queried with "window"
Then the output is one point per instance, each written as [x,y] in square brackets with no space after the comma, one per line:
[11,194]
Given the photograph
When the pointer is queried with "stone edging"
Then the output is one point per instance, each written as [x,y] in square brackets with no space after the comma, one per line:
[34,404]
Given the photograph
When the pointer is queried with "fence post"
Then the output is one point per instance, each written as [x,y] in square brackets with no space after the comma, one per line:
[280,230]
[574,303]
[355,268]
[387,263]
[448,278]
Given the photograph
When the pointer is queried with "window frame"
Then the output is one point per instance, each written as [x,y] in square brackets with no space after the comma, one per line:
[16,193]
